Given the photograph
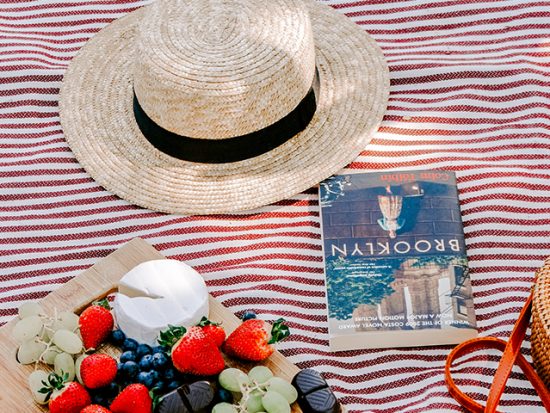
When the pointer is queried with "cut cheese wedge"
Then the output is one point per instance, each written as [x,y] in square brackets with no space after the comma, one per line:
[156,294]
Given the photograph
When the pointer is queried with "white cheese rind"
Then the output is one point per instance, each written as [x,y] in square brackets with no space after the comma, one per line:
[156,294]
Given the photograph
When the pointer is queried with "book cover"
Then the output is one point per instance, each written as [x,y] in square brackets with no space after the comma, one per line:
[395,261]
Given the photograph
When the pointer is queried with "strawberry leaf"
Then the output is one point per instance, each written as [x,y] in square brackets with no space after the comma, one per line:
[54,381]
[103,303]
[206,322]
[279,331]
[169,337]
[155,397]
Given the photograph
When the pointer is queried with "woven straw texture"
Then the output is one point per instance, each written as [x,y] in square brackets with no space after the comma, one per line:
[540,323]
[98,122]
[470,92]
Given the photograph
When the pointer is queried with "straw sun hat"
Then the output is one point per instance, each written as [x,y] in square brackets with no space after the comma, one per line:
[213,106]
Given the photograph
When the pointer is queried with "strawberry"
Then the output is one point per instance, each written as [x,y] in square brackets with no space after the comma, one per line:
[96,323]
[250,341]
[95,408]
[134,398]
[98,370]
[194,352]
[213,330]
[65,397]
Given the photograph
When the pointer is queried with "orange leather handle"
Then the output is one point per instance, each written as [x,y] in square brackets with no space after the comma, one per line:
[510,355]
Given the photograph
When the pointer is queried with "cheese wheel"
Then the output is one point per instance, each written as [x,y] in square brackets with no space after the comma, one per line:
[156,294]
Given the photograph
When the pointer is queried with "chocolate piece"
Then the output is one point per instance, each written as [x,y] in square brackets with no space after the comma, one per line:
[320,401]
[308,380]
[200,396]
[314,394]
[172,403]
[196,397]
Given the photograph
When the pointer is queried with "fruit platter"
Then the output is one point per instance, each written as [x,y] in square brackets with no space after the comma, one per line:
[138,333]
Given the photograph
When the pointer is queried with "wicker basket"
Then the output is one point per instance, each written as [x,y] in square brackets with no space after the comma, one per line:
[540,324]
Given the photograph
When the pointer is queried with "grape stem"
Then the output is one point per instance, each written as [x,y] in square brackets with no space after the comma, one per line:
[47,328]
[246,390]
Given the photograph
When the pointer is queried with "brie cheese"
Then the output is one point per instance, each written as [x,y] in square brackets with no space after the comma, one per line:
[156,294]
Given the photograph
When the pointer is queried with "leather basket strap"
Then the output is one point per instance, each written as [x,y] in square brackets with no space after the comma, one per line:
[511,355]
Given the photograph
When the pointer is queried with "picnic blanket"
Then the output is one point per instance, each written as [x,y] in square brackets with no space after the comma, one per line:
[470,92]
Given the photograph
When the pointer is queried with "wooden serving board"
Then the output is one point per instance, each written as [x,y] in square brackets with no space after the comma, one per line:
[96,282]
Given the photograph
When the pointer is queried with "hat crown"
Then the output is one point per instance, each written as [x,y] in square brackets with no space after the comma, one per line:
[216,69]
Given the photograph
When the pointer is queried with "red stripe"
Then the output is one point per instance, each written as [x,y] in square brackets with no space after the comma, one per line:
[418,17]
[76,5]
[56,14]
[451,26]
[389,10]
[510,244]
[467,37]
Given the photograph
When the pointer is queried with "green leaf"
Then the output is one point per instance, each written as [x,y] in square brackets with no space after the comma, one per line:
[206,322]
[155,397]
[104,302]
[170,336]
[279,331]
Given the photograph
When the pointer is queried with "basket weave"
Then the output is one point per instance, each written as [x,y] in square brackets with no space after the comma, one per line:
[540,325]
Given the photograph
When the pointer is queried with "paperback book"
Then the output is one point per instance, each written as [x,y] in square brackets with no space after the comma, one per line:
[395,260]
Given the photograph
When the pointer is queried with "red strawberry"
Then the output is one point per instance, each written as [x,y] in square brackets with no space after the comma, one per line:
[95,408]
[134,398]
[96,323]
[72,398]
[98,370]
[212,330]
[250,341]
[194,352]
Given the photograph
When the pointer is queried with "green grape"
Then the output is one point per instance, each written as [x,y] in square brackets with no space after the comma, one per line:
[254,402]
[77,364]
[27,328]
[66,320]
[29,308]
[275,403]
[64,364]
[224,408]
[30,351]
[67,341]
[35,384]
[260,374]
[284,388]
[49,355]
[231,379]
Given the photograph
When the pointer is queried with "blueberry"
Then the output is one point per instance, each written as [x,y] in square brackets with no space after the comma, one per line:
[145,378]
[159,385]
[170,374]
[130,369]
[99,398]
[155,374]
[117,337]
[142,350]
[173,385]
[225,395]
[129,345]
[146,363]
[160,361]
[110,390]
[127,356]
[248,315]
[159,349]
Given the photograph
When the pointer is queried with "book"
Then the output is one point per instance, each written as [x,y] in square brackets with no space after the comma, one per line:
[395,260]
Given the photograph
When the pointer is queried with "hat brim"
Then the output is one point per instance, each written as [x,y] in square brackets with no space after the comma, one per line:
[98,122]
